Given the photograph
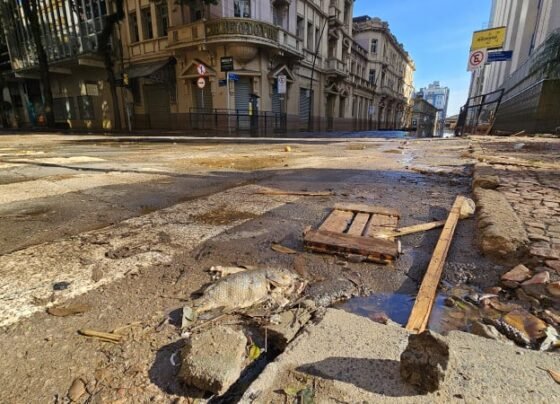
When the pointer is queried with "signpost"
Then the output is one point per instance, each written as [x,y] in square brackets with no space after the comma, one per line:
[492,38]
[282,84]
[201,83]
[477,59]
[226,64]
[201,69]
[499,56]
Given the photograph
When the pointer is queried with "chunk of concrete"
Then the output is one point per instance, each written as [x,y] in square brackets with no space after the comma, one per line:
[502,235]
[287,326]
[486,181]
[424,361]
[487,331]
[212,360]
[518,274]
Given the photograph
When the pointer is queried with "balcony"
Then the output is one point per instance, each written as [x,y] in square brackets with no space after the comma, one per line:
[336,15]
[336,67]
[145,49]
[233,30]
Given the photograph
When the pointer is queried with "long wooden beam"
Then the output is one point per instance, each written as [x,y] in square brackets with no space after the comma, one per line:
[418,320]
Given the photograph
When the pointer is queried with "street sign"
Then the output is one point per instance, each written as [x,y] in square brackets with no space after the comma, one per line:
[226,64]
[499,56]
[201,69]
[201,82]
[477,59]
[492,38]
[233,77]
[282,84]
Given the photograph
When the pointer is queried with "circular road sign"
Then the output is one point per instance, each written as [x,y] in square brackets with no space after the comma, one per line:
[477,58]
[201,69]
[201,83]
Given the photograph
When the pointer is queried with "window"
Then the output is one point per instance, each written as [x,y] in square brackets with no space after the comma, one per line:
[147,24]
[309,36]
[133,25]
[242,8]
[373,46]
[317,39]
[300,28]
[372,76]
[162,19]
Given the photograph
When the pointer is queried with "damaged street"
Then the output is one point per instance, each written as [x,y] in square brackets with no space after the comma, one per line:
[176,269]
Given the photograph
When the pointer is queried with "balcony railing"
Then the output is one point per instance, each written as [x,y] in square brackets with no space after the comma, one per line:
[336,66]
[231,30]
[146,48]
[241,26]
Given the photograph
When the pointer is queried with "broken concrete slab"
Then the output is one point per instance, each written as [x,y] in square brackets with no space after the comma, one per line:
[212,360]
[424,361]
[502,235]
[487,331]
[353,359]
[287,326]
[486,181]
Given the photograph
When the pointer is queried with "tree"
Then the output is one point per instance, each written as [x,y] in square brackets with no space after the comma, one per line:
[31,12]
[546,59]
[104,49]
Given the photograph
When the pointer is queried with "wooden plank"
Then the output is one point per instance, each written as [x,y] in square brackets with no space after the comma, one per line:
[337,221]
[403,231]
[293,193]
[355,207]
[420,315]
[359,224]
[327,241]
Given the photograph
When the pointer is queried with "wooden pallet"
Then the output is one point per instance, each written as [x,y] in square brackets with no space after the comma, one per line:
[351,229]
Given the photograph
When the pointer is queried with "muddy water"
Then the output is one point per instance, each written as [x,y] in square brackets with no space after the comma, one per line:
[397,307]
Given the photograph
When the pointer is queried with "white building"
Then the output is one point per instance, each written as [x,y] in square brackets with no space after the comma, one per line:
[528,22]
[438,96]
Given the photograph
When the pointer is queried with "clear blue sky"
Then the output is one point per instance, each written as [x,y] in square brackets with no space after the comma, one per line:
[437,34]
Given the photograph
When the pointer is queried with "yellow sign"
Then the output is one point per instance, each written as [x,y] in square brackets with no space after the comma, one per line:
[489,38]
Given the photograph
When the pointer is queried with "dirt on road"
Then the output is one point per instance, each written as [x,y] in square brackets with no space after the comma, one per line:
[127,231]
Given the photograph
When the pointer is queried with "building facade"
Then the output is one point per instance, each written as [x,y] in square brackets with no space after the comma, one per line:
[213,68]
[424,117]
[528,23]
[438,96]
[390,68]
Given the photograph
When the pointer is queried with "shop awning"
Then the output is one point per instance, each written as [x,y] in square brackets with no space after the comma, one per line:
[147,69]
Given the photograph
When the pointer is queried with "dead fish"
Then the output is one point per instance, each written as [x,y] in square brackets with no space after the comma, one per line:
[245,289]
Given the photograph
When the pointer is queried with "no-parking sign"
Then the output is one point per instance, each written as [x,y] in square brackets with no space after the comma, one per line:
[477,59]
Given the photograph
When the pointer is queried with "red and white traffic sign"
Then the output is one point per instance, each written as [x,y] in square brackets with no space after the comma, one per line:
[477,59]
[201,69]
[201,82]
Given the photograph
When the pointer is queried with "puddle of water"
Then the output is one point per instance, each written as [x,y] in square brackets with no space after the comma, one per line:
[398,307]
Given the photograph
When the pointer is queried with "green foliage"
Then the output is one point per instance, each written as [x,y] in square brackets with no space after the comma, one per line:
[547,59]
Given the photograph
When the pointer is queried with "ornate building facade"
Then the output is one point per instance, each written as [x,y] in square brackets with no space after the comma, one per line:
[238,66]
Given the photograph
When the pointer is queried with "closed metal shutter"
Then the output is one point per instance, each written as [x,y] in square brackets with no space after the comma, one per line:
[157,106]
[304,105]
[276,103]
[242,91]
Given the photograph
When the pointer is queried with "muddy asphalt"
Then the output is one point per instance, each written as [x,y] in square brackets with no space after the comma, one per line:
[128,229]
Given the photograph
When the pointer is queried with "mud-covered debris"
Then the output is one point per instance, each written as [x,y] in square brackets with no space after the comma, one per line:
[522,327]
[487,331]
[212,360]
[249,287]
[514,277]
[287,326]
[554,289]
[279,248]
[58,286]
[68,309]
[76,390]
[424,361]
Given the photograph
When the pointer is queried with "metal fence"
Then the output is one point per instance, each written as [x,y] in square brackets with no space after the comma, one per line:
[223,120]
